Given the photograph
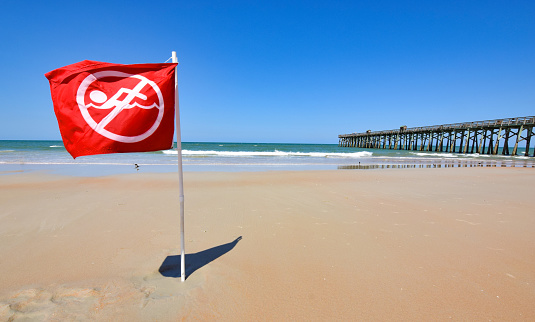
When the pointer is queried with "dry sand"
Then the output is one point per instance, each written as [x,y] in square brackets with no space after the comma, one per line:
[411,244]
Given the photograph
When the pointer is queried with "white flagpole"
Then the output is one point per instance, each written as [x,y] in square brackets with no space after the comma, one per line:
[180,176]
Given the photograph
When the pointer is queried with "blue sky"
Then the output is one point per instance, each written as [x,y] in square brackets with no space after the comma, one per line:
[282,71]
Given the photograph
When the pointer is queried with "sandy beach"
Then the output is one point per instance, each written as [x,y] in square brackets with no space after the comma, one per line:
[393,244]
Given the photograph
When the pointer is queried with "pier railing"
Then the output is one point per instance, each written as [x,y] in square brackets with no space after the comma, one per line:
[484,137]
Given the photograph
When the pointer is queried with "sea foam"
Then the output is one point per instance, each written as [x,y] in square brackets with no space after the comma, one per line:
[442,155]
[275,153]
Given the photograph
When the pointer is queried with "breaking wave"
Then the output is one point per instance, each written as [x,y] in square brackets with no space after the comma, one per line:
[275,153]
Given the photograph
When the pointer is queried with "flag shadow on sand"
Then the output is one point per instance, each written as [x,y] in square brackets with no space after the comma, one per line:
[171,265]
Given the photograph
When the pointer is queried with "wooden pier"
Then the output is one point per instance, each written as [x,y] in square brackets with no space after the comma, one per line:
[483,137]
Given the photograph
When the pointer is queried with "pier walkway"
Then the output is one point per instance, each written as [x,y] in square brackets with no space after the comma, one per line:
[483,137]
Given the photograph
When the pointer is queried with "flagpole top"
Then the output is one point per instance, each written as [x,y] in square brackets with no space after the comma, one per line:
[173,55]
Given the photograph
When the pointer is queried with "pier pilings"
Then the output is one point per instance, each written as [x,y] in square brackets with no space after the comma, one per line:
[501,136]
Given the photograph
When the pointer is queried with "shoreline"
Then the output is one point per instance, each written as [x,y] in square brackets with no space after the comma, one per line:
[237,157]
[95,169]
[307,245]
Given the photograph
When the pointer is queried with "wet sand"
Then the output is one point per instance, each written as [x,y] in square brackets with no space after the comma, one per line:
[393,244]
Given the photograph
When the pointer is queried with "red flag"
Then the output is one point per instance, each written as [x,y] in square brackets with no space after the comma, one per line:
[111,108]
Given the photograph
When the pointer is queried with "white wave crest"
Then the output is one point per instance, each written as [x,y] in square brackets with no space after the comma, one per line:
[444,155]
[275,153]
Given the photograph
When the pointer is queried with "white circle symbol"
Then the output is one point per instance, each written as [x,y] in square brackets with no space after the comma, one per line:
[118,102]
[98,97]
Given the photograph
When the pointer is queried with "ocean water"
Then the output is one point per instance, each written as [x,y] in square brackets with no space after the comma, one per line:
[16,156]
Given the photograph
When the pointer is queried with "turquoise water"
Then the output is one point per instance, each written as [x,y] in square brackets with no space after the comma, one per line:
[214,156]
